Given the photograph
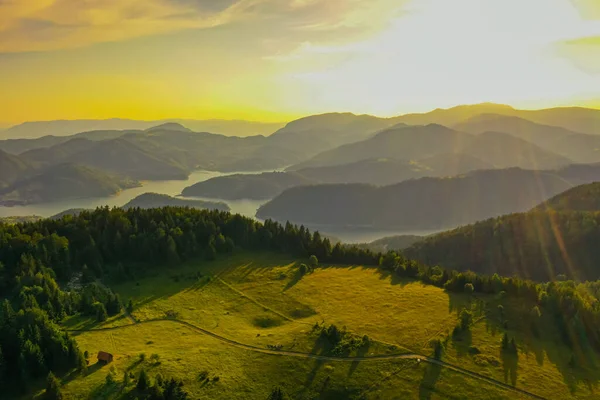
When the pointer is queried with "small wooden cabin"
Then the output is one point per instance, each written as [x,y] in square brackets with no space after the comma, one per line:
[105,357]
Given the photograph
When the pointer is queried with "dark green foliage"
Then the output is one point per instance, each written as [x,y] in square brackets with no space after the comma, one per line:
[438,348]
[538,245]
[101,314]
[340,342]
[469,289]
[466,319]
[302,269]
[313,261]
[276,394]
[509,346]
[52,388]
[143,382]
[129,307]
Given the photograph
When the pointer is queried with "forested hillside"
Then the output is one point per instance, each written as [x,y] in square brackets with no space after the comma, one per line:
[84,252]
[156,200]
[427,203]
[63,182]
[538,245]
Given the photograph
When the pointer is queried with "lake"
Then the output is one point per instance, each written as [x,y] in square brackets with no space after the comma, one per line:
[247,208]
[172,188]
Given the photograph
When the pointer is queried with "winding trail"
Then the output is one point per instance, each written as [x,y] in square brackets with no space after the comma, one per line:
[288,353]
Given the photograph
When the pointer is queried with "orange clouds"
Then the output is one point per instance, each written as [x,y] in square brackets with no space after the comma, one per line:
[41,25]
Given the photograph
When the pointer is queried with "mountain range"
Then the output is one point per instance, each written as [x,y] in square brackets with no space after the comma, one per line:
[38,129]
[381,171]
[423,204]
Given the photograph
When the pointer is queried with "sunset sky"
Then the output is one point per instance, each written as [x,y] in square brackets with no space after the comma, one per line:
[274,60]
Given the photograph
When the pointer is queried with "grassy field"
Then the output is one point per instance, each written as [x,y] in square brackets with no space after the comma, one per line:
[259,300]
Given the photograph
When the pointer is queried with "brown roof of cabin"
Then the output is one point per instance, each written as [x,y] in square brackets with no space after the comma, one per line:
[104,356]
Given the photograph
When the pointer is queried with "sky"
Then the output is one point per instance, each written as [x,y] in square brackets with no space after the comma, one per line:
[275,60]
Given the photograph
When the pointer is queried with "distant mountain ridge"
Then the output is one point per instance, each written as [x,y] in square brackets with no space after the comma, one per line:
[381,171]
[577,119]
[420,204]
[500,150]
[37,129]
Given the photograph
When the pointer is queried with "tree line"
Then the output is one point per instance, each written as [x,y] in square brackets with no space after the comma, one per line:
[50,269]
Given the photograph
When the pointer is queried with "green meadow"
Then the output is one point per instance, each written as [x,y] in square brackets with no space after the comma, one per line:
[238,327]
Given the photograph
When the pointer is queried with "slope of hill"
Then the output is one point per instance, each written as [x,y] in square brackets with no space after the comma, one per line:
[391,243]
[504,151]
[426,203]
[455,115]
[168,151]
[382,171]
[12,168]
[37,129]
[579,174]
[417,142]
[240,186]
[579,147]
[63,182]
[117,156]
[516,126]
[18,146]
[450,164]
[322,132]
[155,200]
[537,245]
[577,119]
[580,198]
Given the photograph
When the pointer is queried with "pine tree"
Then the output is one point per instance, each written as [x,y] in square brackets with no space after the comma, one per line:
[142,384]
[130,306]
[505,342]
[52,388]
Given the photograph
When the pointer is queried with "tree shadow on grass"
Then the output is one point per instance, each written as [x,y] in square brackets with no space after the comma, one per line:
[361,352]
[462,341]
[510,365]
[298,275]
[430,378]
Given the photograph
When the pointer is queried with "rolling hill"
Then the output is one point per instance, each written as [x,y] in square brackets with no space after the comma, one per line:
[501,150]
[382,171]
[579,147]
[37,129]
[317,133]
[118,156]
[155,200]
[580,198]
[516,126]
[555,238]
[12,168]
[426,203]
[577,119]
[240,186]
[62,182]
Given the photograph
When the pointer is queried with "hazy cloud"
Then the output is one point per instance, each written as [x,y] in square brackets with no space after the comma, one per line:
[42,25]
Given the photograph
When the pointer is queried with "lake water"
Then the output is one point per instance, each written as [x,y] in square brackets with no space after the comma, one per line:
[172,188]
[247,208]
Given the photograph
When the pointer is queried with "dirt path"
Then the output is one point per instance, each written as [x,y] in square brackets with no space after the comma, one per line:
[408,356]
